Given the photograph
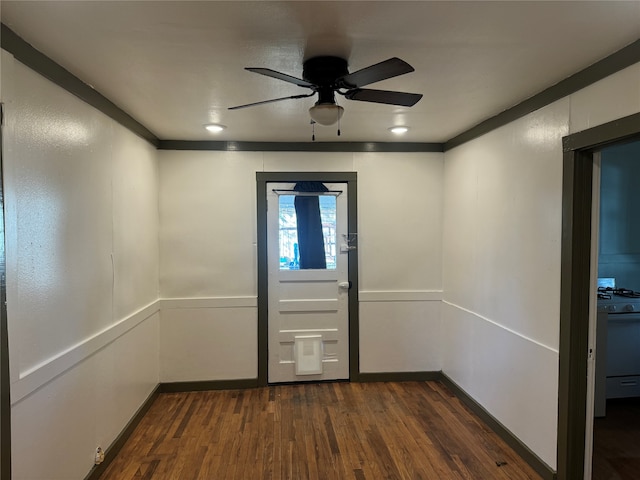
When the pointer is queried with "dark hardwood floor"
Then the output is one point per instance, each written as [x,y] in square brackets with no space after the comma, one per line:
[616,441]
[409,430]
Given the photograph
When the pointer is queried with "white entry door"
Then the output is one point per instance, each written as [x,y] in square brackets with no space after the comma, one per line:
[308,302]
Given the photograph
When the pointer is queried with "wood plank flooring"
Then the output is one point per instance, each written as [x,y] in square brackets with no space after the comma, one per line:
[408,430]
[616,441]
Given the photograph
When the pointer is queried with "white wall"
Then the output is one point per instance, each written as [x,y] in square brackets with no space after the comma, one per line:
[501,266]
[86,330]
[208,258]
[82,275]
[400,261]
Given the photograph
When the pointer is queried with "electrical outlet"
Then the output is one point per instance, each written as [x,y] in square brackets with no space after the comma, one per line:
[99,455]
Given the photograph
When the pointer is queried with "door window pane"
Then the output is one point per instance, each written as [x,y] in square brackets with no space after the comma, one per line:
[288,231]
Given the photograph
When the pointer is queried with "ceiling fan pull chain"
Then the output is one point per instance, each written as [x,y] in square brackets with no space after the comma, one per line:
[313,131]
[338,122]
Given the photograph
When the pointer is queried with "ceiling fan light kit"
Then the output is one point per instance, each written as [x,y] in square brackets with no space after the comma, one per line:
[327,76]
[326,113]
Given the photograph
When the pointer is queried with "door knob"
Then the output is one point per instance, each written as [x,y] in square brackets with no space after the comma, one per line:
[345,285]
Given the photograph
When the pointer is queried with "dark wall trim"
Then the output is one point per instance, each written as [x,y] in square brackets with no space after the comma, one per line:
[177,387]
[352,272]
[622,129]
[263,281]
[503,432]
[262,178]
[300,146]
[399,376]
[49,69]
[118,443]
[5,383]
[575,286]
[615,62]
[43,65]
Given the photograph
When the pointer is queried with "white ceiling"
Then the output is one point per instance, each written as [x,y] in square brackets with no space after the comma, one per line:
[176,65]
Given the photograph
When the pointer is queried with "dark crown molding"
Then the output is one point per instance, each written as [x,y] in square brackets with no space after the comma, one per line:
[301,146]
[43,65]
[49,69]
[615,62]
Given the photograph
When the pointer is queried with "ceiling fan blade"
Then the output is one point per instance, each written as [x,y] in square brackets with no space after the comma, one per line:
[375,73]
[280,76]
[270,101]
[384,96]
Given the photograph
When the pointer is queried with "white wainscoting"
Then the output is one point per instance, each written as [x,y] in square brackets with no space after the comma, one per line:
[38,376]
[400,296]
[208,302]
[400,331]
[83,399]
[216,338]
[203,339]
[514,377]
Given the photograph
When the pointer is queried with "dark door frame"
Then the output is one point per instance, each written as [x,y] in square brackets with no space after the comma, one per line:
[262,178]
[579,149]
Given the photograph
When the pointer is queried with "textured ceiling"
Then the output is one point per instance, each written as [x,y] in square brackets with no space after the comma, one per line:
[175,66]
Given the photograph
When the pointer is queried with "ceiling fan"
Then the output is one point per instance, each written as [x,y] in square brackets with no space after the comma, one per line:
[327,76]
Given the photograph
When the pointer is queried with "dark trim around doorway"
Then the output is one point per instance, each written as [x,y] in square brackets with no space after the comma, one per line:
[579,150]
[262,178]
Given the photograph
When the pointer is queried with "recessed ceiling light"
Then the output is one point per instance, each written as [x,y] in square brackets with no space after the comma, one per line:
[399,130]
[214,127]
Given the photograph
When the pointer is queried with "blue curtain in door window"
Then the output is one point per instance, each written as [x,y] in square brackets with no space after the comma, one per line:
[310,237]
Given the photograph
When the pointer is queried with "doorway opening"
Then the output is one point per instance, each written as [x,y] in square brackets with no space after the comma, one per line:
[613,431]
[576,286]
[307,276]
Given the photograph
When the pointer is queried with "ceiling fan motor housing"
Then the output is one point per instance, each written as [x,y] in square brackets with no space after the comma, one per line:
[324,73]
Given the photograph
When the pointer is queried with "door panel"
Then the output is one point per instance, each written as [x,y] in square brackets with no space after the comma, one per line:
[308,318]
